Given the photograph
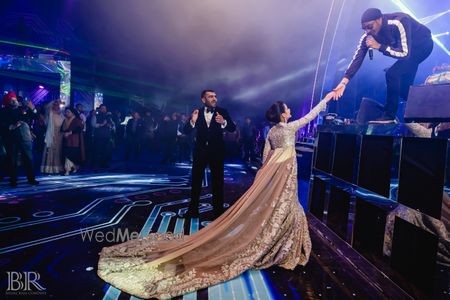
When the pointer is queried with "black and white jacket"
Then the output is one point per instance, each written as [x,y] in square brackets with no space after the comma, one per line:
[399,35]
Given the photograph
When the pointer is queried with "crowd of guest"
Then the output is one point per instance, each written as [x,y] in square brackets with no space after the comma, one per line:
[53,139]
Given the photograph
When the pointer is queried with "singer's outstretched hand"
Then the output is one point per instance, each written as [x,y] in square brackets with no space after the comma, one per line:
[338,91]
[340,88]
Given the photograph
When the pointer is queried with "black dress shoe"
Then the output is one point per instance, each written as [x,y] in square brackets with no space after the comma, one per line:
[33,182]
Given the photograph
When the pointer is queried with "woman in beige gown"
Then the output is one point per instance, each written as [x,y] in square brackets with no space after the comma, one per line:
[265,227]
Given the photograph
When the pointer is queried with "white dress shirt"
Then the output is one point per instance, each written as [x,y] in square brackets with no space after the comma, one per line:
[208,118]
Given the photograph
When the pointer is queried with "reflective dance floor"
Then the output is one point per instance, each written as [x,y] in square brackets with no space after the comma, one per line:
[55,231]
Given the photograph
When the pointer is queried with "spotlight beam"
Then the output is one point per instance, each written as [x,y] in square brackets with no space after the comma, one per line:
[431,18]
[34,46]
[440,34]
[405,9]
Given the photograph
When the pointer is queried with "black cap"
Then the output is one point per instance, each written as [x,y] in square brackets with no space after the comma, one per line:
[371,14]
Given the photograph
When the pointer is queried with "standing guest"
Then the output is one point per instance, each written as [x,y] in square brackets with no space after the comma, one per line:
[232,141]
[73,141]
[134,135]
[183,140]
[52,156]
[104,128]
[119,135]
[39,129]
[17,137]
[150,127]
[28,109]
[81,115]
[248,135]
[89,139]
[168,138]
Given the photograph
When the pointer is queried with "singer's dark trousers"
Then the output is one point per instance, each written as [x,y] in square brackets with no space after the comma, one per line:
[400,76]
[215,160]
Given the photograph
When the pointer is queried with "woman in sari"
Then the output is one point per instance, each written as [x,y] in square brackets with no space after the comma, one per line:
[265,227]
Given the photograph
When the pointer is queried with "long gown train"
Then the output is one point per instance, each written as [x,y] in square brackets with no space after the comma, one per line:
[265,227]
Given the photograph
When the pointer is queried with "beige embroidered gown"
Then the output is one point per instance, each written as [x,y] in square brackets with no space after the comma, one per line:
[265,227]
[52,155]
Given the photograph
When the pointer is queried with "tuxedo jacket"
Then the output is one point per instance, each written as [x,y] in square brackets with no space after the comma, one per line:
[210,138]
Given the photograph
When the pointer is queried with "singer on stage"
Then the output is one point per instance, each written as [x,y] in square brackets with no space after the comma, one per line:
[399,36]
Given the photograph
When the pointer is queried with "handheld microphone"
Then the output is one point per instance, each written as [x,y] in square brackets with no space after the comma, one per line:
[370,53]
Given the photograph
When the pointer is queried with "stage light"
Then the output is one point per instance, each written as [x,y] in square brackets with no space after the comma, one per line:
[256,90]
[440,34]
[34,46]
[431,18]
[405,9]
[38,94]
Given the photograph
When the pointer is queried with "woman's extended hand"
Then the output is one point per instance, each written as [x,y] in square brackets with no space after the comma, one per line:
[330,95]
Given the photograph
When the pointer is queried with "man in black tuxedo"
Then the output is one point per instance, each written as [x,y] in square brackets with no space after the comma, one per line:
[209,121]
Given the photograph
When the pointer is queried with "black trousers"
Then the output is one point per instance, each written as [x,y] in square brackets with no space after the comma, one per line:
[400,76]
[249,149]
[202,158]
[12,152]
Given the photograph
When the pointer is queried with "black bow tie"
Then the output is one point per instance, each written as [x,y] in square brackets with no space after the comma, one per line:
[210,109]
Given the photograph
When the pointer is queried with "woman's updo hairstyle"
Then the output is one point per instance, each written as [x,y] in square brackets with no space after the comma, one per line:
[273,114]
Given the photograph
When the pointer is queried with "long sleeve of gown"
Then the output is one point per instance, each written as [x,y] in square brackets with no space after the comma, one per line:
[266,150]
[297,124]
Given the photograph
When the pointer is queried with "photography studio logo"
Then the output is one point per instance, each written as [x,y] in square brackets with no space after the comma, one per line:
[24,283]
[118,235]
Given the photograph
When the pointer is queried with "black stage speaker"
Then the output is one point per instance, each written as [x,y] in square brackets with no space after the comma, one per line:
[428,103]
[369,110]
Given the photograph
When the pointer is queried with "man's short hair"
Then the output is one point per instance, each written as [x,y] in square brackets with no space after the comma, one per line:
[206,91]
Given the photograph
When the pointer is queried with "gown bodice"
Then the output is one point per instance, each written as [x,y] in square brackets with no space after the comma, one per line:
[284,135]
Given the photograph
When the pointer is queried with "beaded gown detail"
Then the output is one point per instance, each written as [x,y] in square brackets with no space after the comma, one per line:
[265,227]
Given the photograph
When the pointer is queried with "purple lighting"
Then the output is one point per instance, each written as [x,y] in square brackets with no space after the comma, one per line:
[38,94]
